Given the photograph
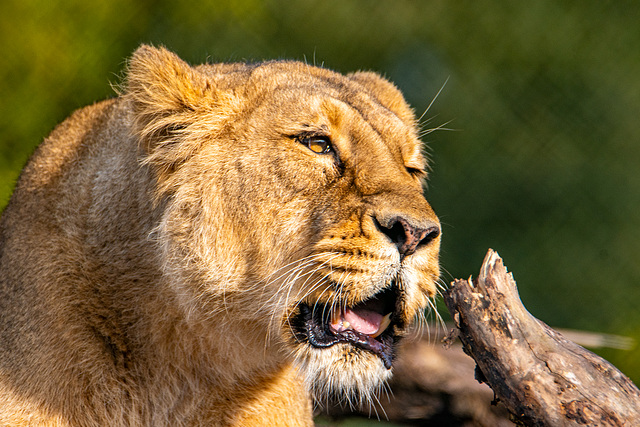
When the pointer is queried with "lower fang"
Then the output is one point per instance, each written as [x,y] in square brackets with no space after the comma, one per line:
[336,319]
[384,324]
[338,324]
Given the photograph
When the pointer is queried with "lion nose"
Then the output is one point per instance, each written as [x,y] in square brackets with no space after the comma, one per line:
[408,237]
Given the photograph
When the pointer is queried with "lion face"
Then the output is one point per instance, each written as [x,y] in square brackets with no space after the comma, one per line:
[373,262]
[293,204]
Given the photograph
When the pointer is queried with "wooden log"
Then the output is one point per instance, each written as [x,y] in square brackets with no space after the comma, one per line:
[542,378]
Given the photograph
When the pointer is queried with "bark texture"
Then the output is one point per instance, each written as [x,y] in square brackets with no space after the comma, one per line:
[541,377]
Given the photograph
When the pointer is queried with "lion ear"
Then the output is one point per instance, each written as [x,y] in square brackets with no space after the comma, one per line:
[387,94]
[165,94]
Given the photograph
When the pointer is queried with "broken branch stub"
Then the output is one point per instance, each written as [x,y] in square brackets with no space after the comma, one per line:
[541,377]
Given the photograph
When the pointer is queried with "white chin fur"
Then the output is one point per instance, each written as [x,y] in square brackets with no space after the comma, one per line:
[342,373]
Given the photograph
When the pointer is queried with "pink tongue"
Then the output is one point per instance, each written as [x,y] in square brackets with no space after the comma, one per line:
[363,321]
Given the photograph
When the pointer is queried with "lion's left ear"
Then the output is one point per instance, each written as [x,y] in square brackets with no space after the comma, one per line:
[175,107]
[165,92]
[387,94]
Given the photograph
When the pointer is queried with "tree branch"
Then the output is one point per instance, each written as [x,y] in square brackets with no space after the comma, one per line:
[541,377]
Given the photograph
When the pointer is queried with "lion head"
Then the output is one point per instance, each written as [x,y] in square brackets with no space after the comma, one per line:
[292,209]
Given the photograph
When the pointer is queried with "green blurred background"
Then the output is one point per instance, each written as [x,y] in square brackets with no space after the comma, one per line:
[542,164]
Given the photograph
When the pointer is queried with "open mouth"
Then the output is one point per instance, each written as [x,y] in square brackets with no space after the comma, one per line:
[368,325]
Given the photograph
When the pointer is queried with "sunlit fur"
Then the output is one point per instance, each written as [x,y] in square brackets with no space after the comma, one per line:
[159,245]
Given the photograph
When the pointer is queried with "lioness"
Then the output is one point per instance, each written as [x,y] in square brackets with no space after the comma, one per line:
[212,245]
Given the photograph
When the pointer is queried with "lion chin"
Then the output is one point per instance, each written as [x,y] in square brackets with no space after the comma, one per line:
[346,353]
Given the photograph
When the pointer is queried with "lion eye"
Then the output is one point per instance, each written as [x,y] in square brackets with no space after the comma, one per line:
[317,144]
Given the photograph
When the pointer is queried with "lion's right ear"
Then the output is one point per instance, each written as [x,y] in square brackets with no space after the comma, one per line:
[166,95]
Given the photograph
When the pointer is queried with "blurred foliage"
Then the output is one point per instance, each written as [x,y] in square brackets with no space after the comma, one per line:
[544,98]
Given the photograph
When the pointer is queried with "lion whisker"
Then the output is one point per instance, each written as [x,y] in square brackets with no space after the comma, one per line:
[433,100]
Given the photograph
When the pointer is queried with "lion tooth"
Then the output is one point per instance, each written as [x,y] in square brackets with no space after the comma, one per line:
[338,323]
[335,317]
[384,324]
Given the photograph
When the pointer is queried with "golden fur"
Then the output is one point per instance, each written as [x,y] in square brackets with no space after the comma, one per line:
[161,249]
